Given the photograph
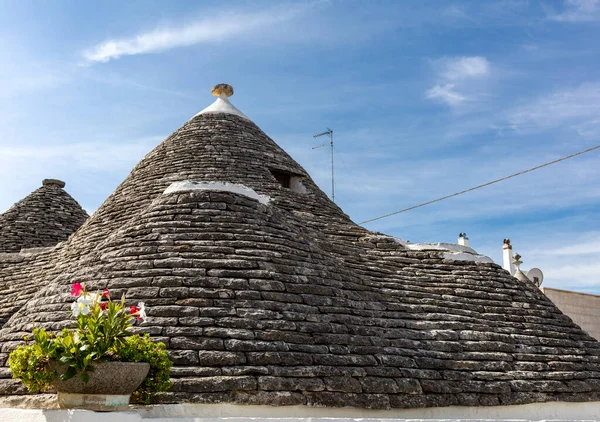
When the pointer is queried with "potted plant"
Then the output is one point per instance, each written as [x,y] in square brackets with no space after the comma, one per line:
[98,364]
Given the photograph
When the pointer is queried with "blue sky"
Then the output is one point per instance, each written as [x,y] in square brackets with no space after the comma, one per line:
[425,98]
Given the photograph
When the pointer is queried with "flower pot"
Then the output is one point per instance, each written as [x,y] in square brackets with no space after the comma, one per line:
[109,387]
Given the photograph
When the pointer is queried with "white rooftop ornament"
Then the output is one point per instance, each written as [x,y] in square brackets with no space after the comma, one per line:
[222,104]
[520,275]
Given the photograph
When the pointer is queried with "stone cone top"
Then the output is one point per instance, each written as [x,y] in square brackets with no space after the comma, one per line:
[266,295]
[222,103]
[54,182]
[45,217]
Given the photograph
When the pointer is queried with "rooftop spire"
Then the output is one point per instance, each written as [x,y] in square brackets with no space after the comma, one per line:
[222,89]
[520,275]
[222,104]
[53,182]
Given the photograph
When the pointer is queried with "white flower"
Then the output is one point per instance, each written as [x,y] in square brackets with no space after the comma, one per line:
[80,308]
[84,303]
[142,311]
[89,299]
[85,299]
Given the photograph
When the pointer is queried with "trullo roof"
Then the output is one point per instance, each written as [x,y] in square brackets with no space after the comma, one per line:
[265,292]
[47,216]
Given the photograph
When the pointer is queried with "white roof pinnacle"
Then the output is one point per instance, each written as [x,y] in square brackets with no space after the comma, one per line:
[222,103]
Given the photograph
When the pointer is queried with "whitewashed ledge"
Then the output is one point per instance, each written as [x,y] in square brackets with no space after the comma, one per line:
[553,411]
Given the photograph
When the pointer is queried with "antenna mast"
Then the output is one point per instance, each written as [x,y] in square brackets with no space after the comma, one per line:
[330,133]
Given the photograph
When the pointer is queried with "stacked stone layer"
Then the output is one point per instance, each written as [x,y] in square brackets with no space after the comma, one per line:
[47,216]
[292,303]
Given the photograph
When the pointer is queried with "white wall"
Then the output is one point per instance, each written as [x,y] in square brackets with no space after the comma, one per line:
[582,308]
[232,413]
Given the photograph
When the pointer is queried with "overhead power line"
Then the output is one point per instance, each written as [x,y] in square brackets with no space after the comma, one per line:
[483,185]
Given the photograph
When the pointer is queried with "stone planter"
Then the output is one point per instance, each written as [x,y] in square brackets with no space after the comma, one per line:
[109,387]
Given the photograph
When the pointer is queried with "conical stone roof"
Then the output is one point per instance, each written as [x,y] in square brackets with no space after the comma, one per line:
[47,216]
[266,294]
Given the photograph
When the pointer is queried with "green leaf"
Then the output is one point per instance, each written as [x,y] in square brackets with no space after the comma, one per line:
[69,373]
[64,359]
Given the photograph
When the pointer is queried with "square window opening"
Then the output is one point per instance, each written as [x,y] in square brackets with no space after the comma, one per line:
[289,180]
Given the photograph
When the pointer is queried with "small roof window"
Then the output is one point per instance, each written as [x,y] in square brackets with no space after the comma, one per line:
[282,177]
[289,180]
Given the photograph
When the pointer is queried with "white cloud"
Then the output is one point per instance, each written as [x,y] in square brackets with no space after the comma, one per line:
[456,78]
[579,11]
[577,108]
[572,265]
[445,94]
[465,68]
[207,30]
[579,247]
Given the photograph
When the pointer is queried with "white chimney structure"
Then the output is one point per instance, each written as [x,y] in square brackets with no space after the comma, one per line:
[507,257]
[520,275]
[463,240]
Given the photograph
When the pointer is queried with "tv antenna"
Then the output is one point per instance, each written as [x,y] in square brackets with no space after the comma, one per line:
[330,133]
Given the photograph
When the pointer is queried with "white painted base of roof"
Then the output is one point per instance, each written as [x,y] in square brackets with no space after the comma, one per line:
[452,251]
[551,411]
[463,256]
[439,246]
[188,185]
[387,237]
[222,105]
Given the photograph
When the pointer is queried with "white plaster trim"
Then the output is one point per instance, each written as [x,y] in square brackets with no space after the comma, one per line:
[439,246]
[452,251]
[385,236]
[550,411]
[222,105]
[188,185]
[462,256]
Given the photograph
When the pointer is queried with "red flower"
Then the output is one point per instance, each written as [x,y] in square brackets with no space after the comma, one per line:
[103,305]
[76,289]
[134,310]
[105,293]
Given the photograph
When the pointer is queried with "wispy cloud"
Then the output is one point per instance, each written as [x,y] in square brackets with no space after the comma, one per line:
[217,28]
[574,265]
[445,94]
[465,68]
[577,108]
[578,11]
[582,246]
[454,77]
